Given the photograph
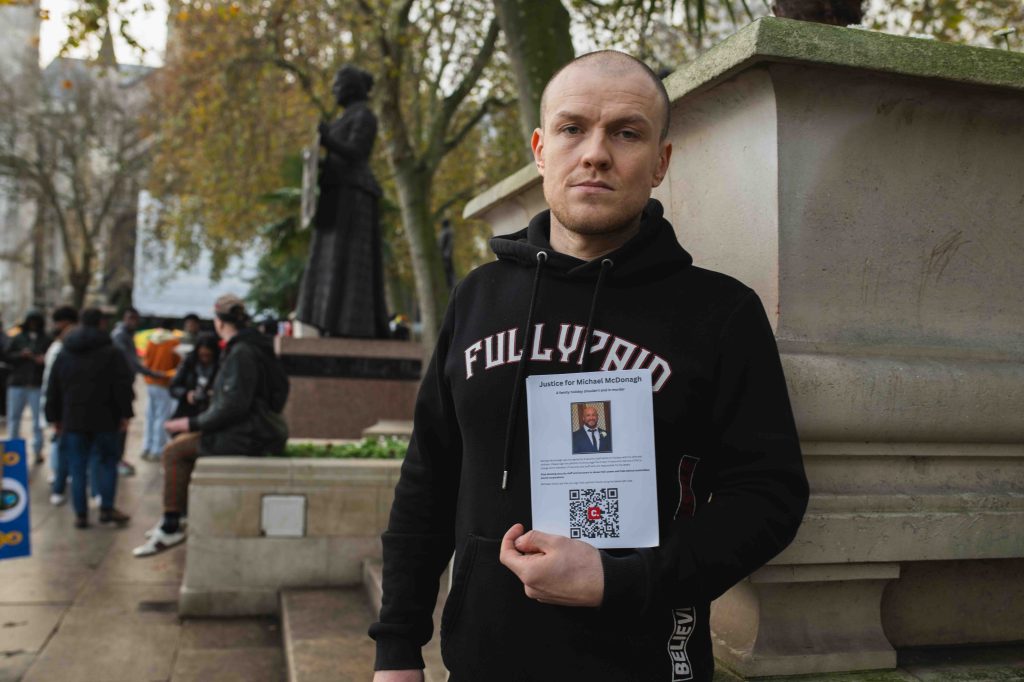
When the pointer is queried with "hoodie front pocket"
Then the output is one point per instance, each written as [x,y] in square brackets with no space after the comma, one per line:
[460,581]
[487,612]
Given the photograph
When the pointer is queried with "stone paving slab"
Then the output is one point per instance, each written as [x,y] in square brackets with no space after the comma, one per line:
[25,628]
[234,665]
[13,667]
[325,635]
[83,609]
[90,650]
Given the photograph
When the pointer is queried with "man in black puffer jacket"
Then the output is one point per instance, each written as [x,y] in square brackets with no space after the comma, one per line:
[89,402]
[244,417]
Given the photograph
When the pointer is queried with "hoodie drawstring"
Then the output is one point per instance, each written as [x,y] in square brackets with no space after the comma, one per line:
[513,411]
[606,265]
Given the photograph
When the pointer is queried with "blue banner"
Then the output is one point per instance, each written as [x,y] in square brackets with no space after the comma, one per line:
[14,524]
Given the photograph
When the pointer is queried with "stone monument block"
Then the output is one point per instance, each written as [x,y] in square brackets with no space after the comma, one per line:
[339,387]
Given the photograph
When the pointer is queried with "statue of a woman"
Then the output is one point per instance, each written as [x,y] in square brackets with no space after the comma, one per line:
[342,290]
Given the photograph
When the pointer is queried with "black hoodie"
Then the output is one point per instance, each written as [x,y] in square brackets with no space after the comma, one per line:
[731,484]
[90,386]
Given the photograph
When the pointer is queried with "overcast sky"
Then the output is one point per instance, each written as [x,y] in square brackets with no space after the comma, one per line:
[149,28]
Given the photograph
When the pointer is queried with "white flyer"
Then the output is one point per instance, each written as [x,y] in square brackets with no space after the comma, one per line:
[592,471]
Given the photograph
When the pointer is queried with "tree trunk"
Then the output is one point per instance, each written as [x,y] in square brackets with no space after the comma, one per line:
[538,44]
[79,287]
[414,197]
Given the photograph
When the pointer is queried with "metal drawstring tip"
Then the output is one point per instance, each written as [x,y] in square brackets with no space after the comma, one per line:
[504,479]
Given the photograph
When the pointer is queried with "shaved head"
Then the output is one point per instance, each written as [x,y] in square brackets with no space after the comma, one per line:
[613,64]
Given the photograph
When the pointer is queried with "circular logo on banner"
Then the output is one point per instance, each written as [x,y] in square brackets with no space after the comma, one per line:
[13,500]
[11,458]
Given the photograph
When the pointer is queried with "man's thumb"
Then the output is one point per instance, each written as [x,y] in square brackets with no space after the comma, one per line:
[533,542]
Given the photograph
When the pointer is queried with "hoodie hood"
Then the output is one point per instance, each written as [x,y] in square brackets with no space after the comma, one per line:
[653,247]
[85,339]
[253,337]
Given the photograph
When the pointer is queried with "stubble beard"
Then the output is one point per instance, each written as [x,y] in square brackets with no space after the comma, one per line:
[613,219]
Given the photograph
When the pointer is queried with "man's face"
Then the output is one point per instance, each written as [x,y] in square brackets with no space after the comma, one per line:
[192,326]
[590,417]
[130,321]
[599,149]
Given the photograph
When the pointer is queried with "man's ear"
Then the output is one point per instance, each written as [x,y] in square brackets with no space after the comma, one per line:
[537,145]
[662,168]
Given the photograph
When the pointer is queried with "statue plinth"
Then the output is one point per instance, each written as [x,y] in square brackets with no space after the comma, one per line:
[342,386]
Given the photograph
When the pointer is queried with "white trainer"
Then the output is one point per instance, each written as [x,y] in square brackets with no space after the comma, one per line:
[57,500]
[158,542]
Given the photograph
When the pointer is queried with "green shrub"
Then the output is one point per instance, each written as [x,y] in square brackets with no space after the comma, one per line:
[368,448]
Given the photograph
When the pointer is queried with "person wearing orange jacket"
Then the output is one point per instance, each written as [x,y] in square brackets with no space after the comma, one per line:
[161,358]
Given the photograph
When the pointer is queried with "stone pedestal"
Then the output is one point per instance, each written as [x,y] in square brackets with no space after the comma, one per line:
[811,618]
[232,568]
[870,188]
[339,387]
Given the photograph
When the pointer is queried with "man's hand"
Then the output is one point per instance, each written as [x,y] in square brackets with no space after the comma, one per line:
[56,428]
[179,425]
[190,397]
[123,426]
[552,568]
[398,676]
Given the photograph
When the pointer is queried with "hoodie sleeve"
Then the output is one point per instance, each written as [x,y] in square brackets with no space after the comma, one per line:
[123,378]
[233,395]
[54,405]
[759,490]
[179,387]
[419,539]
[123,340]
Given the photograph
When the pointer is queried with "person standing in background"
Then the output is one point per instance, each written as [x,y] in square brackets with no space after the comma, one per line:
[65,319]
[26,355]
[89,402]
[160,358]
[124,340]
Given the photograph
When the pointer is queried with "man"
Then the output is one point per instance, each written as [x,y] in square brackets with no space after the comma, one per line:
[731,488]
[89,402]
[124,339]
[26,354]
[244,417]
[65,319]
[589,438]
[161,358]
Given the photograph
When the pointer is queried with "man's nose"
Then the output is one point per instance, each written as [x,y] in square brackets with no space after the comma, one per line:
[595,151]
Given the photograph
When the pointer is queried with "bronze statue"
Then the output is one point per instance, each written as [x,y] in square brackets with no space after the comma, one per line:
[342,290]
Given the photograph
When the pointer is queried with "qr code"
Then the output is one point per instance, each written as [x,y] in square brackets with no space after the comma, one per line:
[594,513]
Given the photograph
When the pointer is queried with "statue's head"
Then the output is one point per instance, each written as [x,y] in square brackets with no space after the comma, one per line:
[351,84]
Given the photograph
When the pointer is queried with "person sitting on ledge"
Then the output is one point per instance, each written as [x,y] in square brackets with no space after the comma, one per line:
[243,418]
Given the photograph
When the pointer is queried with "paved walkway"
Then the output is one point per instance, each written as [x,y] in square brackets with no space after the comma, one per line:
[83,609]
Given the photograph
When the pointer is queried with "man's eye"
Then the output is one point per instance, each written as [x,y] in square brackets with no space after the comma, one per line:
[572,130]
[629,134]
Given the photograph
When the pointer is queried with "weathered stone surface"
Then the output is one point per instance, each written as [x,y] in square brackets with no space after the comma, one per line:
[232,570]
